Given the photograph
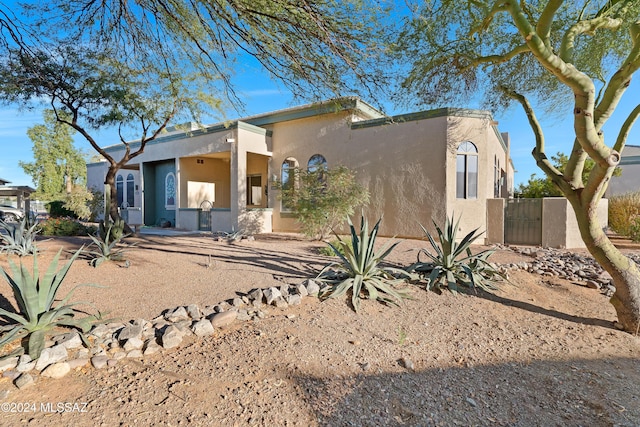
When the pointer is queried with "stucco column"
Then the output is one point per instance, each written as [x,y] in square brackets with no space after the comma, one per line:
[238,183]
[178,187]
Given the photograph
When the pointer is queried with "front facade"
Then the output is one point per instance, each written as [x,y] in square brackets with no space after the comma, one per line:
[417,167]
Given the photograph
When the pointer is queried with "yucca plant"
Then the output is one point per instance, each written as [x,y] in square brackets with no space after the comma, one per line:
[38,311]
[359,269]
[454,264]
[18,238]
[107,244]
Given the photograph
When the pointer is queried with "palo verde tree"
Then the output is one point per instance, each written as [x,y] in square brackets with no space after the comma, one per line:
[566,57]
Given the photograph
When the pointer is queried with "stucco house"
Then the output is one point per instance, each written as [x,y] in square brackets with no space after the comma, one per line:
[418,167]
[629,179]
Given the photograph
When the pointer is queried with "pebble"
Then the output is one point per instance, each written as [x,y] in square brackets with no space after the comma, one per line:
[23,381]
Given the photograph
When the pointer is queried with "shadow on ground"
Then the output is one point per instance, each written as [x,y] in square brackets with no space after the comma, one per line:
[601,392]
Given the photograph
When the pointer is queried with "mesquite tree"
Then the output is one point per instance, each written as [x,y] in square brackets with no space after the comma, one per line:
[118,63]
[561,57]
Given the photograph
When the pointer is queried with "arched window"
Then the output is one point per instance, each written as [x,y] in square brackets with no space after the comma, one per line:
[288,178]
[467,171]
[120,189]
[316,162]
[170,191]
[130,190]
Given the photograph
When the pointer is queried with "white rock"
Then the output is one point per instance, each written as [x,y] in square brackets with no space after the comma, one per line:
[225,318]
[56,370]
[203,328]
[51,355]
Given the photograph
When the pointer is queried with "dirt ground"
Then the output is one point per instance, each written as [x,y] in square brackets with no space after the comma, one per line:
[541,352]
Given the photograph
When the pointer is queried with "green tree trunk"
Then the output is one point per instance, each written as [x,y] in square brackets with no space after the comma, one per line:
[623,270]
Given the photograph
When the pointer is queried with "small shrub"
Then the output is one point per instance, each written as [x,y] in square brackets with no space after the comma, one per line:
[57,208]
[622,211]
[634,229]
[18,238]
[35,298]
[320,199]
[335,243]
[64,227]
[359,270]
[453,263]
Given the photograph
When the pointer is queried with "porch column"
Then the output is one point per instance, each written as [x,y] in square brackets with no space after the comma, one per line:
[238,183]
[178,187]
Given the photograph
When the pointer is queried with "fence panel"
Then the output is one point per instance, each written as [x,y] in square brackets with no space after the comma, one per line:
[523,222]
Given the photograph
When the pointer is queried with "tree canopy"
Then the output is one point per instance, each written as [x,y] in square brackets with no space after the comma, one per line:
[57,165]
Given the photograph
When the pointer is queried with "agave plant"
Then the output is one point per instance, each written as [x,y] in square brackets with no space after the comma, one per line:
[18,238]
[454,264]
[37,308]
[359,269]
[107,241]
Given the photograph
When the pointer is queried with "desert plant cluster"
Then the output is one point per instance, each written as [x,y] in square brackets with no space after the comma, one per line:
[361,272]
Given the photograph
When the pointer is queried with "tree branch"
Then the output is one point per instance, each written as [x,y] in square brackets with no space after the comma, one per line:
[546,19]
[584,27]
[538,152]
[498,59]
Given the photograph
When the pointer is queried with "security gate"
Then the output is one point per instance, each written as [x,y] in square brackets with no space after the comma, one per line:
[204,216]
[523,222]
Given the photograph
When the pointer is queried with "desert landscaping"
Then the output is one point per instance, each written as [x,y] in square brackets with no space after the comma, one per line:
[542,351]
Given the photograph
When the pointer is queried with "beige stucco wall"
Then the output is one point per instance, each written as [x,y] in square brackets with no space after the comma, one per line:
[214,170]
[479,131]
[559,224]
[495,221]
[402,164]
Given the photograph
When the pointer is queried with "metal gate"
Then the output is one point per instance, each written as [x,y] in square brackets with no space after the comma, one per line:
[204,216]
[523,222]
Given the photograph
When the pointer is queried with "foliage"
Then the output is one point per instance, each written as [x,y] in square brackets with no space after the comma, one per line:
[95,204]
[57,209]
[314,49]
[544,187]
[635,229]
[360,271]
[624,209]
[320,199]
[110,235]
[453,263]
[58,166]
[573,58]
[64,226]
[78,201]
[335,243]
[35,297]
[18,238]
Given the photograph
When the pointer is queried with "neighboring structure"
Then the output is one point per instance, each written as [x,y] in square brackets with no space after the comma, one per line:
[418,167]
[21,193]
[629,179]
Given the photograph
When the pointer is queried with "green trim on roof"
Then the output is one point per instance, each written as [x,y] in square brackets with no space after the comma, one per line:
[315,109]
[431,114]
[422,115]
